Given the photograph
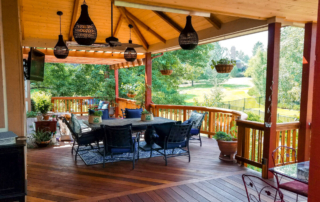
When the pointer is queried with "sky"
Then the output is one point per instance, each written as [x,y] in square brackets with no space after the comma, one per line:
[246,43]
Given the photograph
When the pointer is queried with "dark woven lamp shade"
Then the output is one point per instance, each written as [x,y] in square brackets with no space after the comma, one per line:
[84,31]
[60,51]
[130,54]
[188,38]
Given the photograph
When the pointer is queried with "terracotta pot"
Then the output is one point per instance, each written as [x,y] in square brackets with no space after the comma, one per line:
[147,117]
[166,72]
[43,143]
[46,117]
[94,119]
[39,118]
[228,149]
[224,68]
[131,95]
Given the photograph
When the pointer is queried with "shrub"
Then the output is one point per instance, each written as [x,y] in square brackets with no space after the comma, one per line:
[33,105]
[31,114]
[223,136]
[253,117]
[43,101]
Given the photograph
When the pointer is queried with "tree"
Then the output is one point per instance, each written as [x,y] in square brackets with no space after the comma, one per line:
[242,56]
[256,47]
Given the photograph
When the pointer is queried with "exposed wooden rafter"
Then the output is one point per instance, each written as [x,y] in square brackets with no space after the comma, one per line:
[214,21]
[116,31]
[168,20]
[137,62]
[74,18]
[135,28]
[135,19]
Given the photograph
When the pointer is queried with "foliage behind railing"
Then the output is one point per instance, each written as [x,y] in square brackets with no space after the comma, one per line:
[215,120]
[76,105]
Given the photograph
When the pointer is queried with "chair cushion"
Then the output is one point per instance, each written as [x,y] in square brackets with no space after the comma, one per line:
[186,122]
[105,114]
[125,150]
[295,187]
[100,104]
[133,113]
[104,106]
[75,124]
[194,131]
[196,119]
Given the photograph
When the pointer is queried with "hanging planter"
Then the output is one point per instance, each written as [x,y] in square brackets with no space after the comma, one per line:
[166,71]
[84,31]
[223,65]
[131,95]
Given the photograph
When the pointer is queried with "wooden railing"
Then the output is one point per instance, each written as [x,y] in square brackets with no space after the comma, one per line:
[76,105]
[251,141]
[123,103]
[216,119]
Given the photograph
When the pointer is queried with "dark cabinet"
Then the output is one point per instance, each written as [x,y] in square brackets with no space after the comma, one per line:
[12,172]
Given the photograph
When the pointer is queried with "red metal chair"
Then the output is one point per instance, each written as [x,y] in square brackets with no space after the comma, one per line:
[261,192]
[281,156]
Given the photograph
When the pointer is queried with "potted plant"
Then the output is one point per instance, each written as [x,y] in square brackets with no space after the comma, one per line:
[95,117]
[42,138]
[146,116]
[227,145]
[131,89]
[223,65]
[167,63]
[43,103]
[166,70]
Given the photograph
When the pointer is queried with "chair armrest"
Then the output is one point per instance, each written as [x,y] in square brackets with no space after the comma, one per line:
[137,139]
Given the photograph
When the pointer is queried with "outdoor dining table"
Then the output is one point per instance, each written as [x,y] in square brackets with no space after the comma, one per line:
[296,171]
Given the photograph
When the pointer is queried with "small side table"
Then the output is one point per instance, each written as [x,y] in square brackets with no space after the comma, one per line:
[45,125]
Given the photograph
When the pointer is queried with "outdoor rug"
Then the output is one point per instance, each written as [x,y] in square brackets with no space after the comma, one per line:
[93,157]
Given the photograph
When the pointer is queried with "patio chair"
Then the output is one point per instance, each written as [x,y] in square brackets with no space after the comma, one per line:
[133,113]
[263,188]
[119,140]
[82,137]
[196,120]
[172,136]
[284,154]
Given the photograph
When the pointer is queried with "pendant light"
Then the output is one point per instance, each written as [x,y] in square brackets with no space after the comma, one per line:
[84,31]
[130,54]
[61,51]
[188,38]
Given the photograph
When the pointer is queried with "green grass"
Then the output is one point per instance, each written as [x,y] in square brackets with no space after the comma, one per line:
[196,86]
[234,86]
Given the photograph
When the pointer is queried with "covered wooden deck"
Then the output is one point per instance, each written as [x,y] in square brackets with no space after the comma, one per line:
[53,175]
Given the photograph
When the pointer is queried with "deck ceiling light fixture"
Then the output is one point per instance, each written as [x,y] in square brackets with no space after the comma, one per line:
[130,54]
[188,38]
[60,51]
[84,31]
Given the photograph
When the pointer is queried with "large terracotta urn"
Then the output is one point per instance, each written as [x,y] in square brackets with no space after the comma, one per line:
[228,149]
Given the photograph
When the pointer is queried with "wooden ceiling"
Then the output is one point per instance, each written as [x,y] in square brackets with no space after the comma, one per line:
[156,31]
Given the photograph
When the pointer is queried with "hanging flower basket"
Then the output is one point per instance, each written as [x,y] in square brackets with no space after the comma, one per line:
[166,72]
[224,68]
[131,95]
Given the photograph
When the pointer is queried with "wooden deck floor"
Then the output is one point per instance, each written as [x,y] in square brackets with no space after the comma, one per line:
[53,175]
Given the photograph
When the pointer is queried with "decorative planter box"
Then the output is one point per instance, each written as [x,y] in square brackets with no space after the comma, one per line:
[94,119]
[147,117]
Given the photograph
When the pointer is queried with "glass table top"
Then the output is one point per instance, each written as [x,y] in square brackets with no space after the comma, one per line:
[297,171]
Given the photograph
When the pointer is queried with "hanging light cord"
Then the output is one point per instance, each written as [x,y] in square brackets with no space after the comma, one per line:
[84,2]
[111,19]
[130,33]
[60,24]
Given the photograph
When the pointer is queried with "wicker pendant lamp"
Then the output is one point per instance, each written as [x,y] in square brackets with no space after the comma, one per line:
[130,53]
[61,51]
[84,31]
[188,38]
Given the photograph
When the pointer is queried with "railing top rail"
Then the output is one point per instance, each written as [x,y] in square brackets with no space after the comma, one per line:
[71,98]
[242,115]
[288,126]
[124,99]
[250,124]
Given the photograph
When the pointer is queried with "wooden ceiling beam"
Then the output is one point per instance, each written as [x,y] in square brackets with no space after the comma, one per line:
[73,18]
[169,21]
[116,31]
[214,21]
[135,19]
[135,28]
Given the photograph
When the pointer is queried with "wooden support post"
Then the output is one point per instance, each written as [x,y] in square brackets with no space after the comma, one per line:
[271,97]
[306,91]
[148,81]
[116,79]
[314,174]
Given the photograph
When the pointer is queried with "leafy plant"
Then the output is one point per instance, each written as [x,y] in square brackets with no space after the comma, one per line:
[145,112]
[253,117]
[97,113]
[223,136]
[44,106]
[43,101]
[131,89]
[223,61]
[41,136]
[31,114]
